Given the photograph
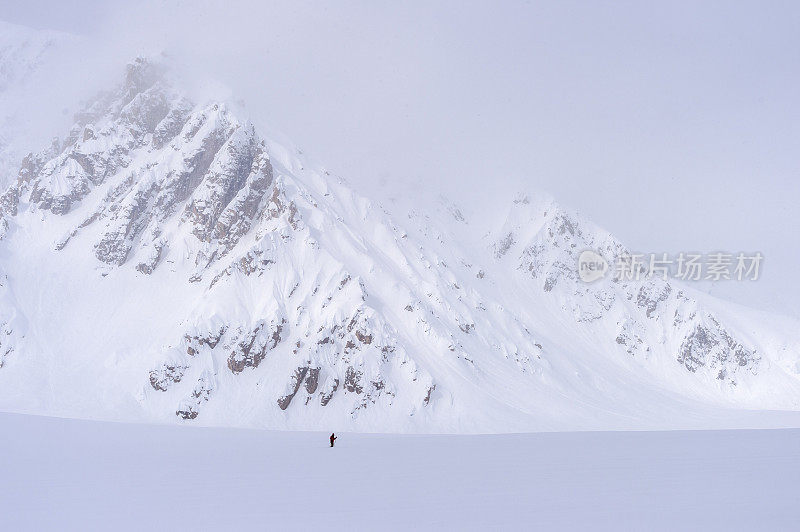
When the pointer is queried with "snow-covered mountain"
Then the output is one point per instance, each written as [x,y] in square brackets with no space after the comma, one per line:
[165,261]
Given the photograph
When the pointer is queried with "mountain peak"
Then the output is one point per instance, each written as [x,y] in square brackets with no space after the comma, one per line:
[172,260]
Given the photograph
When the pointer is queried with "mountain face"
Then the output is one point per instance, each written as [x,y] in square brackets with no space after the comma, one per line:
[166,262]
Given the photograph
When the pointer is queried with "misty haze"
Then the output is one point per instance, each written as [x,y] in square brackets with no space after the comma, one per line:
[400,266]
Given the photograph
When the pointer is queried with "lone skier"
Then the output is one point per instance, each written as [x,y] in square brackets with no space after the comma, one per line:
[333,438]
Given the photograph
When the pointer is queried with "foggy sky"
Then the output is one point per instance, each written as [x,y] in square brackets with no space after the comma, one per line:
[676,127]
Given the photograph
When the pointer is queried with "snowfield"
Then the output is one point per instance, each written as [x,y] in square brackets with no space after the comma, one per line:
[186,302]
[83,475]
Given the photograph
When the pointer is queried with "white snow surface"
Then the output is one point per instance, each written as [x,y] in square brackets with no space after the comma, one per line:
[165,262]
[83,475]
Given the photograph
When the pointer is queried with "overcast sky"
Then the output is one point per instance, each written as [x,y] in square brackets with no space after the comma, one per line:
[676,125]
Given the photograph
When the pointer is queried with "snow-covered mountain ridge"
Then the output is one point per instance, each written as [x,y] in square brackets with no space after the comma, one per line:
[166,262]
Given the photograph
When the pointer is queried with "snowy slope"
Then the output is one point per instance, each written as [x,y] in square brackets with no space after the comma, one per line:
[166,262]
